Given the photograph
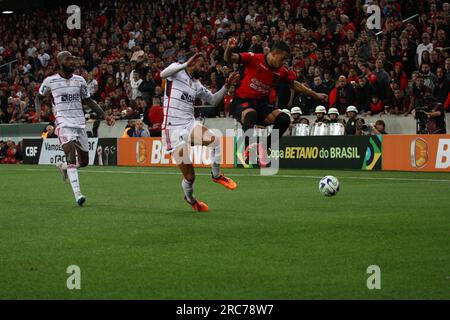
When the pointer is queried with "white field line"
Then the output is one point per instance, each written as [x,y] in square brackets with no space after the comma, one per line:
[241,175]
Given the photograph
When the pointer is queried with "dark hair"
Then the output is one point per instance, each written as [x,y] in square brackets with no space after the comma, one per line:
[281,46]
[190,54]
[381,122]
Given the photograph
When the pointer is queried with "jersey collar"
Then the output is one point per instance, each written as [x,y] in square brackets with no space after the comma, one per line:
[188,74]
[71,76]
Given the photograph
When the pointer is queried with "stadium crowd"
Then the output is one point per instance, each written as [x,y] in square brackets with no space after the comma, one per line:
[10,152]
[332,51]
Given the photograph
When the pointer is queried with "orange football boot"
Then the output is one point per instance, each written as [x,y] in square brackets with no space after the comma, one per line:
[226,182]
[198,205]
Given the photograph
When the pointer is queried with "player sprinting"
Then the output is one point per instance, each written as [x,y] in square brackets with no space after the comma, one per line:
[69,92]
[261,75]
[180,130]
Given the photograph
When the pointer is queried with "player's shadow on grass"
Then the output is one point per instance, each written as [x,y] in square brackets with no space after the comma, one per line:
[145,210]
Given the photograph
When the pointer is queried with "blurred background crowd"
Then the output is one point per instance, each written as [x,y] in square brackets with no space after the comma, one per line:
[386,71]
[10,152]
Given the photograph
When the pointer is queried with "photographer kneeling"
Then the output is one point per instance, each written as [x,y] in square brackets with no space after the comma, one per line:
[430,116]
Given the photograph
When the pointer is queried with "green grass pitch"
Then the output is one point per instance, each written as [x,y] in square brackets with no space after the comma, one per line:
[273,237]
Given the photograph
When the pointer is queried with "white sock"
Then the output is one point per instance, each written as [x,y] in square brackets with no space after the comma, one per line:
[216,157]
[188,188]
[72,172]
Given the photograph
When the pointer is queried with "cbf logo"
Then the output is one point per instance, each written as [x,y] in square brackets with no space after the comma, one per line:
[187,97]
[70,97]
[374,20]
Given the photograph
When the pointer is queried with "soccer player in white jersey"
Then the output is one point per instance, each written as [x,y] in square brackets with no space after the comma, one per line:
[180,130]
[69,92]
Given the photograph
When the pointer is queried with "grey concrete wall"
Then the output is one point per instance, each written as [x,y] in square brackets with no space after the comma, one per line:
[394,125]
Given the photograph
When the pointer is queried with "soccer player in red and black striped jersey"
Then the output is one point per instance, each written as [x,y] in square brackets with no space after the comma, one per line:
[262,73]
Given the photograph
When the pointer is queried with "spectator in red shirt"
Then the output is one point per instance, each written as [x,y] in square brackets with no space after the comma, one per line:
[206,46]
[153,118]
[342,95]
[12,153]
[352,75]
[227,100]
[347,24]
[376,106]
[110,87]
[400,76]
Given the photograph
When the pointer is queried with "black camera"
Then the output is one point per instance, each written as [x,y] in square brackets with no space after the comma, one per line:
[421,113]
[362,125]
[421,120]
[422,107]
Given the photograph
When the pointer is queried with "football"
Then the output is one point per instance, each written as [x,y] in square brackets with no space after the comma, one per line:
[329,186]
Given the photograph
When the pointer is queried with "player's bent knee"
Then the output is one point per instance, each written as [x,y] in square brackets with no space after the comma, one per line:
[190,177]
[213,142]
[282,121]
[71,158]
[83,164]
[249,120]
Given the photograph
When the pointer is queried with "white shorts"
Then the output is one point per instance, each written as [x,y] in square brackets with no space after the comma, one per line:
[78,135]
[174,137]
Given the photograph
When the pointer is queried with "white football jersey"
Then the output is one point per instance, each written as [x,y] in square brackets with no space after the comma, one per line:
[180,93]
[66,99]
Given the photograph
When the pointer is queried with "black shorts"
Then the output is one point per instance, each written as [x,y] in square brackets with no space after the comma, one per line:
[261,106]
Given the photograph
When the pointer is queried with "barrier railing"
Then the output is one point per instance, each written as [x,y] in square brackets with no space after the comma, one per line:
[6,68]
[403,21]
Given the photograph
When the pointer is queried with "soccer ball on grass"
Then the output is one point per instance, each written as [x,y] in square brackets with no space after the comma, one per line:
[329,186]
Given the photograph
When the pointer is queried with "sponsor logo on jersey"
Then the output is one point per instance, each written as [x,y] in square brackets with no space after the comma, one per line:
[187,97]
[71,97]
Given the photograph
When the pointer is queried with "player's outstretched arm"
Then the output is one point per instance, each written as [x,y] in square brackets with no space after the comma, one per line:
[99,111]
[215,98]
[298,87]
[211,98]
[172,69]
[176,67]
[229,56]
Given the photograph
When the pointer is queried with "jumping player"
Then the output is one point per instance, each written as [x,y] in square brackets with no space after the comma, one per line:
[261,75]
[180,130]
[69,92]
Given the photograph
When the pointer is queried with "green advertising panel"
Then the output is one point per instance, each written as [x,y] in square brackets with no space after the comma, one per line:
[316,152]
